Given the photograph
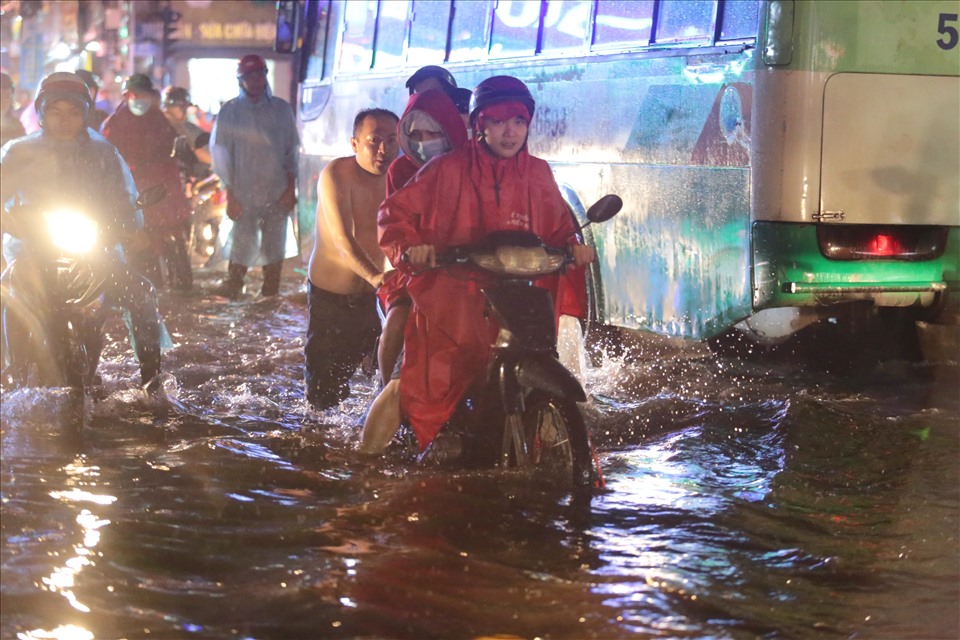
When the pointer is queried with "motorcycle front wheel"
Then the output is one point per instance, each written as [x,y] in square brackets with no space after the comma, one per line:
[557,444]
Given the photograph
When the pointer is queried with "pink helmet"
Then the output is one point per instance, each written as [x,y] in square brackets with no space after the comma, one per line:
[500,89]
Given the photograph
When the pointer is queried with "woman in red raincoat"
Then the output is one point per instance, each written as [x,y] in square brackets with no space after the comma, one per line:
[490,184]
[142,135]
[430,126]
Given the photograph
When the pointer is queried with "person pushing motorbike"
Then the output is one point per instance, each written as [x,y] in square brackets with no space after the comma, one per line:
[490,184]
[65,163]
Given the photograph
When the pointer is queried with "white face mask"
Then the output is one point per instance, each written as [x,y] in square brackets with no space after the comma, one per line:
[429,149]
[139,106]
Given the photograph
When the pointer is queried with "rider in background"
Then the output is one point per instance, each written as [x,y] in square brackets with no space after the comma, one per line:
[431,77]
[192,146]
[176,107]
[461,98]
[10,127]
[97,115]
[490,184]
[65,159]
[147,142]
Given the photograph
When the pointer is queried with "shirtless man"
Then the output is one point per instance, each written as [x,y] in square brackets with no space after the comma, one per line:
[347,264]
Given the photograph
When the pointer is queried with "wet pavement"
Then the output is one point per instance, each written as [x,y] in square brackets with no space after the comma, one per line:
[780,498]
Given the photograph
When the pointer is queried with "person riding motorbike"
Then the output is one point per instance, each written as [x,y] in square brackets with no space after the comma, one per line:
[97,115]
[147,143]
[10,127]
[492,183]
[67,163]
[430,126]
[192,152]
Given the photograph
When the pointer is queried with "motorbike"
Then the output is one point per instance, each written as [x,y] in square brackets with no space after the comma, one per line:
[209,205]
[53,310]
[524,413]
[207,196]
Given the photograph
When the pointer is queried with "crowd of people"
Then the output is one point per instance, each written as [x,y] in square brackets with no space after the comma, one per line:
[451,169]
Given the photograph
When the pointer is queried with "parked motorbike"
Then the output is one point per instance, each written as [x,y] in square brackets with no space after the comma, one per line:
[524,414]
[53,311]
[209,209]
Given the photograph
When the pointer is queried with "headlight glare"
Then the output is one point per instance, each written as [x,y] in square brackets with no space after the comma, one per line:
[519,261]
[71,231]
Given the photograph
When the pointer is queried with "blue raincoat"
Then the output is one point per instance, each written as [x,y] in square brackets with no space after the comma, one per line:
[89,174]
[88,171]
[255,149]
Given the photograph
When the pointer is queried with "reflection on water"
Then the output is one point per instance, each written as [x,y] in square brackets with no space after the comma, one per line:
[744,500]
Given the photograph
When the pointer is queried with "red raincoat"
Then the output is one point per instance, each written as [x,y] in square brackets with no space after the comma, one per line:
[440,107]
[458,199]
[146,143]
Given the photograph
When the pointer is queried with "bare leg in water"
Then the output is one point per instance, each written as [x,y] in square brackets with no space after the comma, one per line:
[382,421]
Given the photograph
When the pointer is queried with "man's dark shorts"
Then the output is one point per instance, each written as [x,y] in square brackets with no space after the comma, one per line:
[343,329]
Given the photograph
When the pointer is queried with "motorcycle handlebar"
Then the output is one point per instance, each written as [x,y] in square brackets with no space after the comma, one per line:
[460,254]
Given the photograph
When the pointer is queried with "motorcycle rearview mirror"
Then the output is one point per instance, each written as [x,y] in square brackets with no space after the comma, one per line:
[605,208]
[152,195]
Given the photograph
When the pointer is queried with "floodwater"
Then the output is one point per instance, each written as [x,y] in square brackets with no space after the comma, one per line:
[778,499]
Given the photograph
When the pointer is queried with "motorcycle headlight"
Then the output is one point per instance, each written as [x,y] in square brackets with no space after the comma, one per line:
[71,231]
[518,261]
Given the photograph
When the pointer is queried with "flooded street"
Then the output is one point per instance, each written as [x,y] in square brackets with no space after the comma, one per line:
[780,499]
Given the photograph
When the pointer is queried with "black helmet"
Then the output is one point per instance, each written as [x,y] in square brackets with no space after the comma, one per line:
[62,85]
[176,95]
[138,82]
[431,71]
[461,97]
[89,79]
[500,89]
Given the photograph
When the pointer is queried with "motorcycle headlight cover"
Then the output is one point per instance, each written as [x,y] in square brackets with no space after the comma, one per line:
[71,231]
[518,261]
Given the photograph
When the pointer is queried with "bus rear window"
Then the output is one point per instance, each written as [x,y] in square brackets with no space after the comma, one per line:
[319,64]
[428,33]
[685,20]
[356,54]
[623,24]
[391,29]
[739,19]
[566,25]
[515,27]
[468,30]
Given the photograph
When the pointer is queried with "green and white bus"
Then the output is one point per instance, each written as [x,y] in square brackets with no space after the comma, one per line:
[779,160]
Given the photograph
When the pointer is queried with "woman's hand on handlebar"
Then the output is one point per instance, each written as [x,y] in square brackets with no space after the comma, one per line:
[582,254]
[421,255]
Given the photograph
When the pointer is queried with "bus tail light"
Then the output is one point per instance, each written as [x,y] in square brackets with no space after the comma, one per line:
[881,242]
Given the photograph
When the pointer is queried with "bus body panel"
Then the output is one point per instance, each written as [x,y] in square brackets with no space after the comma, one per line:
[891,149]
[675,145]
[875,36]
[671,136]
[787,134]
[860,128]
[727,165]
[790,270]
